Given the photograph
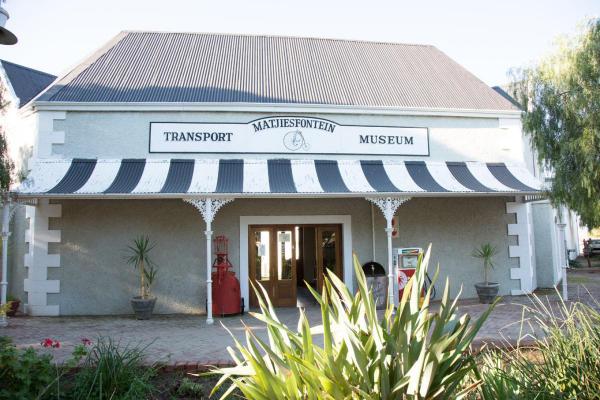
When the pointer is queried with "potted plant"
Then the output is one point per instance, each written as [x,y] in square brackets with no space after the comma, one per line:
[4,308]
[486,290]
[139,256]
[14,305]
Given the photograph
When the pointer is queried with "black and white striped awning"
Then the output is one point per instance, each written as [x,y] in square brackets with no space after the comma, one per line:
[177,177]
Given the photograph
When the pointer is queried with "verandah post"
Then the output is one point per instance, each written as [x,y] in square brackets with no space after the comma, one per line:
[5,234]
[388,230]
[388,206]
[208,233]
[208,207]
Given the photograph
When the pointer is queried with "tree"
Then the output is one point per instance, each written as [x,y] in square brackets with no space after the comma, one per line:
[7,166]
[561,99]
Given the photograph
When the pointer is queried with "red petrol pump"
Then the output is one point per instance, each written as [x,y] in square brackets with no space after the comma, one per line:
[407,263]
[226,295]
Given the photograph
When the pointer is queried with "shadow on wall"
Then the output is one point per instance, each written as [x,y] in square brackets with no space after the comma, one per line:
[173,94]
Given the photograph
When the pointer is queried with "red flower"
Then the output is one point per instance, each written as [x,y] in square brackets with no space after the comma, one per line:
[47,342]
[86,341]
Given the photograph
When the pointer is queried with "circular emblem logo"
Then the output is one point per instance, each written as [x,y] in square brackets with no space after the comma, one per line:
[294,140]
[402,280]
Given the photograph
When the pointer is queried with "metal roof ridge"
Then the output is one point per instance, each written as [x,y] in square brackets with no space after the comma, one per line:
[266,35]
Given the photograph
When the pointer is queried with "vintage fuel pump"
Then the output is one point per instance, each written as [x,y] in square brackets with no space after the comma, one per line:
[405,261]
[226,298]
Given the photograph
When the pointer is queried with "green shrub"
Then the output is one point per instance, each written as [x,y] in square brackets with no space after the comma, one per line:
[564,363]
[413,353]
[24,374]
[189,387]
[113,371]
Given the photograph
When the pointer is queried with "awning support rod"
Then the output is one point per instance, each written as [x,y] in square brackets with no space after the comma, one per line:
[208,207]
[388,206]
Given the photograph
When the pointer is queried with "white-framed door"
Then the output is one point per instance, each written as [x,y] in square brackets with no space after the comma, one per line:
[246,221]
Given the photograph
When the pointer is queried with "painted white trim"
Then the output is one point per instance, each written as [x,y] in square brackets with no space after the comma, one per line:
[524,250]
[246,221]
[144,196]
[37,260]
[273,108]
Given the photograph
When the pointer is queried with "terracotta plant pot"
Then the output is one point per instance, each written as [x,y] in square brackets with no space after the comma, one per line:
[487,292]
[14,307]
[143,307]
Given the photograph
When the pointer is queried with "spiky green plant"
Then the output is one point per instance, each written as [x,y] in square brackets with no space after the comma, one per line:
[564,362]
[412,353]
[139,256]
[112,370]
[486,252]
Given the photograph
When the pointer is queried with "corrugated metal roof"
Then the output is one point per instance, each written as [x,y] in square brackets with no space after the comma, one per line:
[503,91]
[202,67]
[26,82]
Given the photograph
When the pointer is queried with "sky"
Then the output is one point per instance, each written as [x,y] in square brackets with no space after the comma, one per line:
[486,37]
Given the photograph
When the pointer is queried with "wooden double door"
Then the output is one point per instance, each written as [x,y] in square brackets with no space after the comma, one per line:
[276,251]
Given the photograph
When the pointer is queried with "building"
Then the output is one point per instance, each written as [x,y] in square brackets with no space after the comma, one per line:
[20,85]
[299,150]
[557,230]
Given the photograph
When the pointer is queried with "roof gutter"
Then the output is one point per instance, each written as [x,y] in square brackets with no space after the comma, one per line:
[144,196]
[270,108]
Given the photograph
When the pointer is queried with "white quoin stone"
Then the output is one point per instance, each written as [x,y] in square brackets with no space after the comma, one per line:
[37,260]
[47,137]
[524,251]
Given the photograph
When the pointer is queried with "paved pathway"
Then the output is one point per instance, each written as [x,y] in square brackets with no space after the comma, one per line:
[187,339]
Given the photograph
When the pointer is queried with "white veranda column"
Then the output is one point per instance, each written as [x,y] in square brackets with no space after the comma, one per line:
[6,212]
[564,260]
[208,207]
[388,206]
[8,209]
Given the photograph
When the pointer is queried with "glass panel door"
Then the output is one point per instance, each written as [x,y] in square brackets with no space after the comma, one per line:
[329,252]
[272,263]
[260,260]
[285,285]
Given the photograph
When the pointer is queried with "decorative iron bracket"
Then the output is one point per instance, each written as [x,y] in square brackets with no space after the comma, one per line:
[388,205]
[208,207]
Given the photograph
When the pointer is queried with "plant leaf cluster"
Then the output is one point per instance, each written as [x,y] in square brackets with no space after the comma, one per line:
[564,363]
[561,99]
[139,256]
[412,352]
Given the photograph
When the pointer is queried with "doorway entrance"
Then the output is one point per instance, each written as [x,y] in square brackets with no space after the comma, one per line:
[285,259]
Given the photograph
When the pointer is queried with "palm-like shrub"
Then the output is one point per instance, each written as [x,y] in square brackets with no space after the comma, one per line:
[486,253]
[139,256]
[414,353]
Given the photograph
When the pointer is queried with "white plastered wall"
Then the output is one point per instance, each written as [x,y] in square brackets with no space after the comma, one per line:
[19,125]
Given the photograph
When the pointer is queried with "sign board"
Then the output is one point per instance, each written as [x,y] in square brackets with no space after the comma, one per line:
[287,135]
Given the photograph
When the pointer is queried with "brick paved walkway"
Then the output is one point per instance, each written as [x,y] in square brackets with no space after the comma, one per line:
[185,339]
